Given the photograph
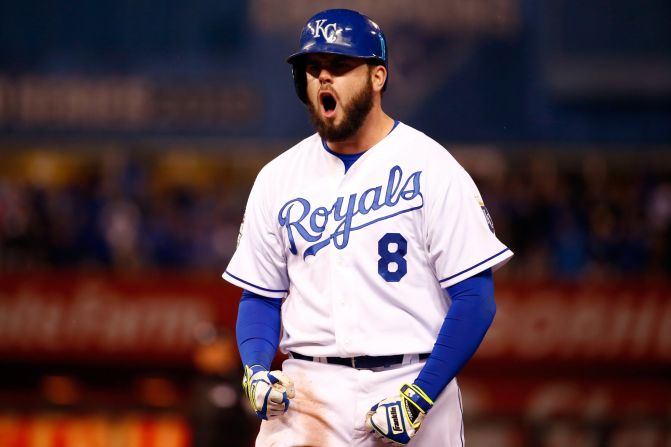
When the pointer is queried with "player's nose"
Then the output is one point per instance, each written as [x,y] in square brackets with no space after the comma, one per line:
[325,75]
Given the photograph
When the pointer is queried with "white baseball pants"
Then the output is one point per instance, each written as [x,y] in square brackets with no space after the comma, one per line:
[331,403]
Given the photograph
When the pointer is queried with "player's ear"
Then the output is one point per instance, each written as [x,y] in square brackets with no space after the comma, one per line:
[378,76]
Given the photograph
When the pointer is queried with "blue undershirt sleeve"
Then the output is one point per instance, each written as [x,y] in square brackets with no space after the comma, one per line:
[468,319]
[258,328]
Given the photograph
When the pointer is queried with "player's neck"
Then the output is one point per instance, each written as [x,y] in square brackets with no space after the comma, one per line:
[375,127]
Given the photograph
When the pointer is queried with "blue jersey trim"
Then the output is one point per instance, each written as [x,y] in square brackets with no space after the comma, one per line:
[396,122]
[347,159]
[253,285]
[476,265]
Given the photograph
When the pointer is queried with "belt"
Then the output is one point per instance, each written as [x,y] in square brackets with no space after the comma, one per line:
[361,362]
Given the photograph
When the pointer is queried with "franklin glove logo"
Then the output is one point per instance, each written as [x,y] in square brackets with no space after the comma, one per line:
[395,416]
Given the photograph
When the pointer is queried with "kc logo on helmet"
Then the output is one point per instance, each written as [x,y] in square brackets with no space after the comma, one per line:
[329,32]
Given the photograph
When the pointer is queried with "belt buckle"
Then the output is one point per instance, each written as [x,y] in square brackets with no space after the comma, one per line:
[353,362]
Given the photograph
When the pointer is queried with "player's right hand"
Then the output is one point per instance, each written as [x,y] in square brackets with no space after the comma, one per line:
[268,392]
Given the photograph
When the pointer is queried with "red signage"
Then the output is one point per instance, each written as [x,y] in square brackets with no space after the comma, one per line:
[72,315]
[63,316]
[596,323]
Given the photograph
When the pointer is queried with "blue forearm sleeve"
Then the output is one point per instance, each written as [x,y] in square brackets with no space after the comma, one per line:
[470,315]
[258,328]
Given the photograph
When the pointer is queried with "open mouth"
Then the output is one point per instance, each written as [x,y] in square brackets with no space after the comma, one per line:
[328,103]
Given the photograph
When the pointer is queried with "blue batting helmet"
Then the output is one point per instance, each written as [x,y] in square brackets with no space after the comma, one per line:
[338,31]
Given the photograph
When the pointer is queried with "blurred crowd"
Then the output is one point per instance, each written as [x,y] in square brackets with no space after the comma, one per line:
[119,212]
[582,215]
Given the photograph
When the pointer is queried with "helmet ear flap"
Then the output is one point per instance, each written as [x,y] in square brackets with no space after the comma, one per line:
[300,81]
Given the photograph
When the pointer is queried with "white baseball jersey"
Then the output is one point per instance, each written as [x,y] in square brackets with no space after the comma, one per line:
[362,256]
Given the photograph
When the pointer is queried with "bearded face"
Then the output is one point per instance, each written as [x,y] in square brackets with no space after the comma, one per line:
[353,112]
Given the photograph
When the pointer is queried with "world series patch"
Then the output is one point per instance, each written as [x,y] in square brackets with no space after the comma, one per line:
[242,224]
[490,222]
[488,217]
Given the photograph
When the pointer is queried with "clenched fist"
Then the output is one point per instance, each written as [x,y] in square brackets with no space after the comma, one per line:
[268,392]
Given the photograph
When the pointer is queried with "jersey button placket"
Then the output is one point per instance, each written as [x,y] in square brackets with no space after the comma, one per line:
[342,317]
[341,273]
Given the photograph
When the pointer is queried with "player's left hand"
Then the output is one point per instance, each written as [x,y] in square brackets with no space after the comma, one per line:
[395,420]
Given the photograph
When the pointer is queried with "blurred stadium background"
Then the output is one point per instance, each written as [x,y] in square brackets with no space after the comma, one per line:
[130,135]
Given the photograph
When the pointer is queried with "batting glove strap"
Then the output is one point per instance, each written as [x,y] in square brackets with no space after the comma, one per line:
[249,372]
[415,398]
[249,387]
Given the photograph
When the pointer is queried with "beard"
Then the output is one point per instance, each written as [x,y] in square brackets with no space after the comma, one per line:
[354,114]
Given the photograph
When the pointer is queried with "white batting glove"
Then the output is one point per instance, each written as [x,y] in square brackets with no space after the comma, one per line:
[395,420]
[268,392]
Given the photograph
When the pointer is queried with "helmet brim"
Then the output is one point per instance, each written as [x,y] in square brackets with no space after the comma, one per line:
[296,58]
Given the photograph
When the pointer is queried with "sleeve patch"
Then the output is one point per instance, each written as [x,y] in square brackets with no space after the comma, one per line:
[242,224]
[488,217]
[485,211]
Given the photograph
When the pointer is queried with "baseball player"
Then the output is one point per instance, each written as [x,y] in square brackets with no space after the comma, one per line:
[367,253]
